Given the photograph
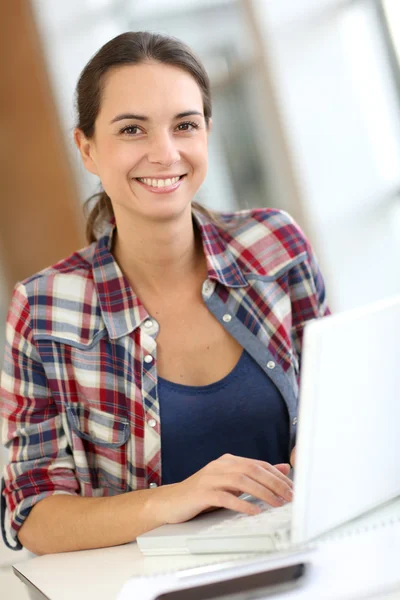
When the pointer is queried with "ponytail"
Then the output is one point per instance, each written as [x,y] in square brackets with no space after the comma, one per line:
[99,213]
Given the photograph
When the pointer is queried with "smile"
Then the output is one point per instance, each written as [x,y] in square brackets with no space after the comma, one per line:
[163,186]
[158,182]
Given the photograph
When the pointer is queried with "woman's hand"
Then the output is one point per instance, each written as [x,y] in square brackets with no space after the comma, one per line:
[292,459]
[219,484]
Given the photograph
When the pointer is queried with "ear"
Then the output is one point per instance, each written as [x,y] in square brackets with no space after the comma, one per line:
[85,147]
[209,126]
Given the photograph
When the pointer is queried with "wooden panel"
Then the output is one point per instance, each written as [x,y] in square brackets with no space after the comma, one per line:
[40,215]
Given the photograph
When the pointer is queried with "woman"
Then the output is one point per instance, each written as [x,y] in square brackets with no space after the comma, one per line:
[153,375]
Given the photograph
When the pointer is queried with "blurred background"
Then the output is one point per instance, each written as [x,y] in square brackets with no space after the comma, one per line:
[306,118]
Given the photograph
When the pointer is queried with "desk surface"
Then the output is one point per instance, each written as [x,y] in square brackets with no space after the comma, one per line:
[99,574]
[360,566]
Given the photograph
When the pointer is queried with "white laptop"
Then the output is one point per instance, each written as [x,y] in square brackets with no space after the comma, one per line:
[347,475]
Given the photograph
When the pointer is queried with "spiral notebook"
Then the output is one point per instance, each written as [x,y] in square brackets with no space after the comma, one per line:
[356,567]
[347,458]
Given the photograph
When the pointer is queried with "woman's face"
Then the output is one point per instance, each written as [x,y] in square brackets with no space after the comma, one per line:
[149,148]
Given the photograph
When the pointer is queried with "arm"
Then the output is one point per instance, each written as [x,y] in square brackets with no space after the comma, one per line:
[65,523]
[308,302]
[308,298]
[39,461]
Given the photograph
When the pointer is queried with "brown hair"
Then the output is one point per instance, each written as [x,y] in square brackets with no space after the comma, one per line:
[131,48]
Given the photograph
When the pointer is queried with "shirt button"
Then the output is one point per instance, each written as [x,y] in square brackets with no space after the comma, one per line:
[207,286]
[148,358]
[148,324]
[153,485]
[151,423]
[294,422]
[227,318]
[270,364]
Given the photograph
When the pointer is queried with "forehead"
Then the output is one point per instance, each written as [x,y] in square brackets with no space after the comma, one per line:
[147,88]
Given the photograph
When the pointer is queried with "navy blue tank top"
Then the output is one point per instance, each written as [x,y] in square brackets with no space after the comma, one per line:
[243,414]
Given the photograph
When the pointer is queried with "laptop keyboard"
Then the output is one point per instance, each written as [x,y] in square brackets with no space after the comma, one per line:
[265,532]
[268,521]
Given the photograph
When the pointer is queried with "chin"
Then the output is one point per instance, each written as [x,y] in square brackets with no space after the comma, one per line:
[165,210]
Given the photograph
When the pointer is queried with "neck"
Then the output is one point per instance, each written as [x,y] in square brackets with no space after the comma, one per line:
[158,255]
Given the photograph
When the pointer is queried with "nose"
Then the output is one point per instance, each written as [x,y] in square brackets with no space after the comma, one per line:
[163,150]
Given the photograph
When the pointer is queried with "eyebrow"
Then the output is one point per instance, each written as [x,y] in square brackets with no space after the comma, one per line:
[123,116]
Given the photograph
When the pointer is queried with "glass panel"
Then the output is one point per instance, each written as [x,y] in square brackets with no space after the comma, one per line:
[237,167]
[391,10]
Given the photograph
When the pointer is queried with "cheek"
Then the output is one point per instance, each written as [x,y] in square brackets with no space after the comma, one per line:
[117,162]
[117,158]
[200,153]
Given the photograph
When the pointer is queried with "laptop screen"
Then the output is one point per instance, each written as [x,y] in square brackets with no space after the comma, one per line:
[347,454]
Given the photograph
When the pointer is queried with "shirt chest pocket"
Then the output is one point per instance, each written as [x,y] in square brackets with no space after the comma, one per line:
[100,444]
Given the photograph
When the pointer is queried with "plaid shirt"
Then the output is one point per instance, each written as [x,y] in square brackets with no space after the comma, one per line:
[79,383]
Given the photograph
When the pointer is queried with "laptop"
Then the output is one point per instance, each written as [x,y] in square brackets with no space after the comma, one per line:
[347,473]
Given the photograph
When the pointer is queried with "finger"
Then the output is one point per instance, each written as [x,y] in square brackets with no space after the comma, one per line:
[293,457]
[271,490]
[267,475]
[223,499]
[280,487]
[280,471]
[240,460]
[283,468]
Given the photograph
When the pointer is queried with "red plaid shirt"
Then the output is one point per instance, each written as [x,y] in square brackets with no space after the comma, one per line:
[79,383]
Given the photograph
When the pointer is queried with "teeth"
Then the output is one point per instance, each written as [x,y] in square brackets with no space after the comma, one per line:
[159,182]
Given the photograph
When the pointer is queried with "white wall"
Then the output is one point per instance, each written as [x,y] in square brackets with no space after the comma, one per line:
[337,105]
[72,32]
[341,116]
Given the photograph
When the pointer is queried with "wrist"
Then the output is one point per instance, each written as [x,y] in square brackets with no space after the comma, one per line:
[158,504]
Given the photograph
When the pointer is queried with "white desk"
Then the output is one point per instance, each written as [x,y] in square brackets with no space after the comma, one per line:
[360,566]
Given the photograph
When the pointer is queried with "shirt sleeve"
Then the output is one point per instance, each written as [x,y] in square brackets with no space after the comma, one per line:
[40,463]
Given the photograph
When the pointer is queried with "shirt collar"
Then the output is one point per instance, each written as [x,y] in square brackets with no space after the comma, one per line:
[121,309]
[221,264]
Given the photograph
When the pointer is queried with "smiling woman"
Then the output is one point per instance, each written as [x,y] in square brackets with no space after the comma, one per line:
[111,106]
[141,140]
[154,374]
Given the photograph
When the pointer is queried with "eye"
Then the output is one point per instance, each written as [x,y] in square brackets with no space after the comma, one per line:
[187,126]
[130,130]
